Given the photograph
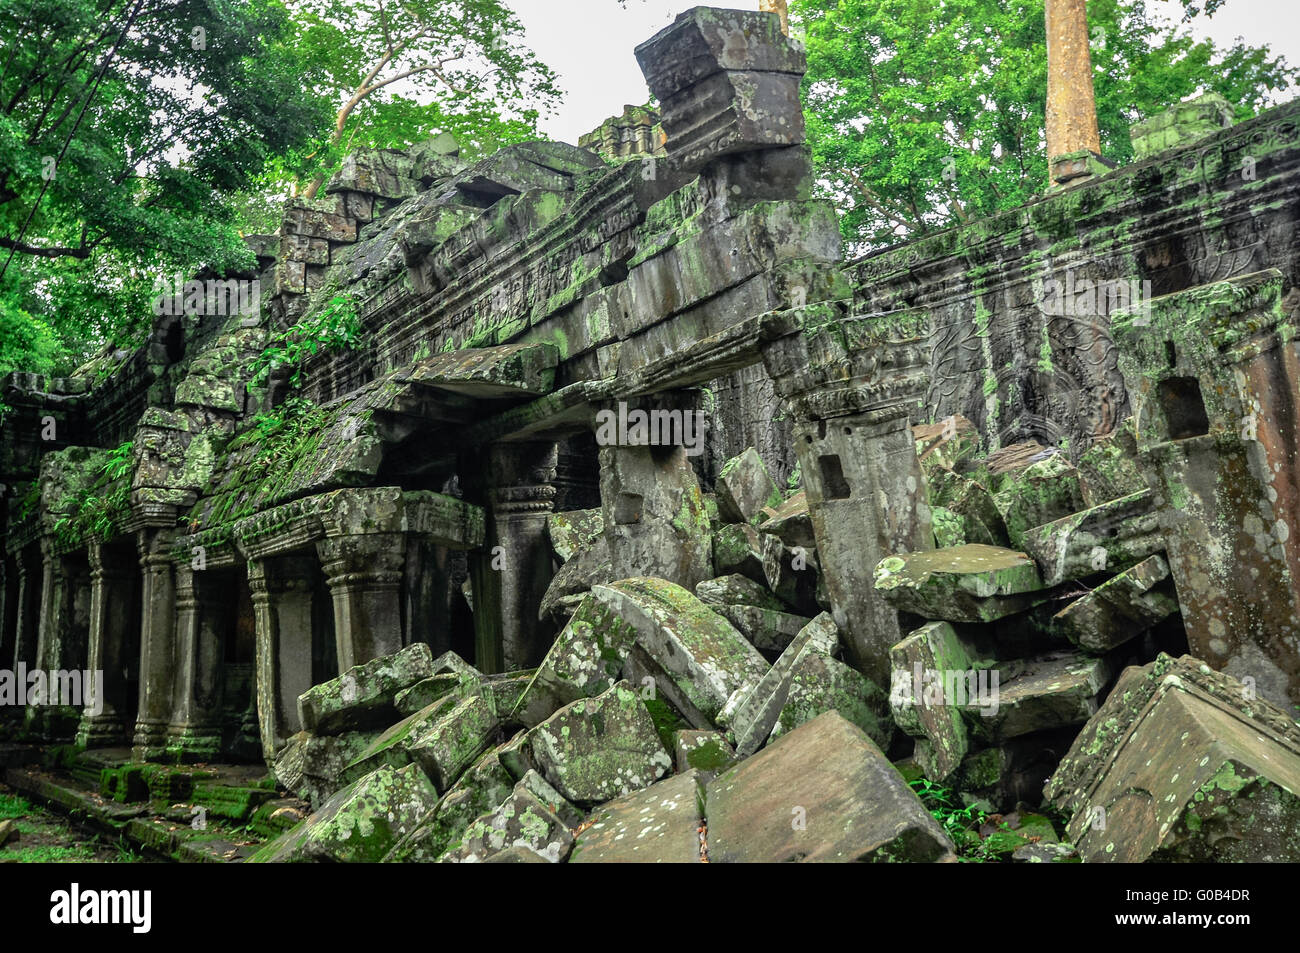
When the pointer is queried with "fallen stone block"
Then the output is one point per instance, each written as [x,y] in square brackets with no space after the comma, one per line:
[503,692]
[946,443]
[971,503]
[1183,763]
[448,746]
[360,823]
[745,488]
[972,583]
[703,660]
[823,792]
[659,825]
[599,748]
[1041,493]
[1109,468]
[363,696]
[1051,691]
[444,739]
[738,550]
[790,522]
[480,790]
[1119,609]
[933,657]
[737,590]
[756,712]
[311,765]
[586,658]
[1107,538]
[573,581]
[522,821]
[392,747]
[540,788]
[573,531]
[818,683]
[427,691]
[768,630]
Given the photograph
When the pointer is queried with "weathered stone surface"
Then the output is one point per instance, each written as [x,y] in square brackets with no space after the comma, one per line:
[766,629]
[1183,763]
[393,746]
[1041,493]
[737,590]
[703,751]
[824,792]
[946,443]
[933,719]
[792,574]
[522,821]
[659,825]
[818,683]
[754,714]
[1109,468]
[1215,367]
[540,788]
[573,531]
[972,503]
[585,660]
[361,823]
[1119,609]
[311,765]
[427,691]
[480,790]
[444,739]
[654,516]
[727,81]
[573,581]
[1106,538]
[363,696]
[702,659]
[790,522]
[1050,691]
[598,748]
[972,583]
[738,550]
[745,488]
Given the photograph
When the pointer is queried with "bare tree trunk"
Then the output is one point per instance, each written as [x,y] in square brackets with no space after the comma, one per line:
[780,8]
[1071,101]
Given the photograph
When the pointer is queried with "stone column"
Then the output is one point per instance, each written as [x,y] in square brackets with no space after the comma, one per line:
[111,591]
[30,579]
[853,386]
[866,500]
[282,608]
[7,632]
[157,643]
[1213,373]
[201,622]
[37,717]
[510,574]
[364,573]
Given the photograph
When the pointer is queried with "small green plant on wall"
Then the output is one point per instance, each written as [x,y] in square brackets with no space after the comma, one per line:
[335,327]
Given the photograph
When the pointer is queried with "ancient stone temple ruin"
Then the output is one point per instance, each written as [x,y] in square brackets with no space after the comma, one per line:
[626,492]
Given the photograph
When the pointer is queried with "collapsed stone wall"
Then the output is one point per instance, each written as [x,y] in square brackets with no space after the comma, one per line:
[443,483]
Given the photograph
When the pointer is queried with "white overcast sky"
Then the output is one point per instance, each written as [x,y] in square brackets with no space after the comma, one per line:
[589,43]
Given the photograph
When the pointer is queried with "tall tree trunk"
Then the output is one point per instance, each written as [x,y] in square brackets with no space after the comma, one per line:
[1071,101]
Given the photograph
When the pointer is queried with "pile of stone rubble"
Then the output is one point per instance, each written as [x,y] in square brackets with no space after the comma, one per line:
[723,724]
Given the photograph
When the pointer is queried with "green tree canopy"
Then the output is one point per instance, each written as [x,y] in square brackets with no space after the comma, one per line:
[928,113]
